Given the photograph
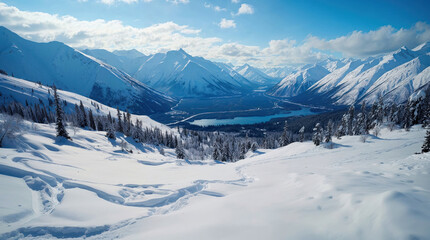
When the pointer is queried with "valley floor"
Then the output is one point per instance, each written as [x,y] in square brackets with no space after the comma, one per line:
[89,188]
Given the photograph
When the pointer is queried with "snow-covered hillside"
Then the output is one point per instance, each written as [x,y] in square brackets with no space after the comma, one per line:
[256,76]
[71,70]
[298,82]
[181,75]
[22,91]
[89,188]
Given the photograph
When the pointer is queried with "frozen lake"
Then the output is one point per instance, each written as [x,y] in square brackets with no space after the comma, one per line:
[251,119]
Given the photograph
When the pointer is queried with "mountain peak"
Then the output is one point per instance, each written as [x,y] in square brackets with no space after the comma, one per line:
[132,53]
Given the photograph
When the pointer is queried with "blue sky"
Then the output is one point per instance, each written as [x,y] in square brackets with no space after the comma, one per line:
[263,33]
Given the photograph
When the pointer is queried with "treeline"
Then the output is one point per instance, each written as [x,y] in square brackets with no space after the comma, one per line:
[85,118]
[221,146]
[188,144]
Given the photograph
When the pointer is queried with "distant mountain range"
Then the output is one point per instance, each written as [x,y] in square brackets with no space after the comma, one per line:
[144,84]
[71,70]
[256,76]
[394,77]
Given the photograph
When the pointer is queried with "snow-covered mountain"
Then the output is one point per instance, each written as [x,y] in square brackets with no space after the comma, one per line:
[179,74]
[71,70]
[127,61]
[298,82]
[256,76]
[278,72]
[132,54]
[229,68]
[394,76]
[23,91]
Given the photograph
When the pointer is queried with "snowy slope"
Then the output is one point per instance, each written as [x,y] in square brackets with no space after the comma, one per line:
[77,72]
[179,74]
[391,76]
[256,76]
[22,91]
[298,82]
[373,190]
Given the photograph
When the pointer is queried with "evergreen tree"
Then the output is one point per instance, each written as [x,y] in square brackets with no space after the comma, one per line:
[83,119]
[317,136]
[91,118]
[61,129]
[110,133]
[284,140]
[100,125]
[180,152]
[302,134]
[216,154]
[380,111]
[426,146]
[351,120]
[329,131]
[120,125]
[254,146]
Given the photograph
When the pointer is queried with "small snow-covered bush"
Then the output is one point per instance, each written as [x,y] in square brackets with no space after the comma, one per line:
[124,145]
[391,126]
[363,138]
[161,150]
[377,130]
[10,126]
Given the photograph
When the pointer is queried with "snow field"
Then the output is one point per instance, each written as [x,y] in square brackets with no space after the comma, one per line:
[90,188]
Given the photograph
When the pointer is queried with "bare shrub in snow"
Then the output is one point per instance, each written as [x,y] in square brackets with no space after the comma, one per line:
[363,138]
[377,130]
[161,150]
[124,145]
[390,126]
[10,126]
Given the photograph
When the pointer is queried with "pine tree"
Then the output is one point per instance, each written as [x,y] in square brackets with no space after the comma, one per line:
[284,140]
[254,146]
[302,134]
[180,153]
[83,119]
[91,118]
[100,125]
[120,125]
[426,146]
[110,133]
[329,131]
[61,129]
[380,111]
[351,120]
[317,136]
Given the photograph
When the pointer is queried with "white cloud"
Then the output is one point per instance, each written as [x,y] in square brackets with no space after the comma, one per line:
[110,35]
[245,9]
[227,23]
[383,40]
[111,2]
[214,7]
[219,9]
[235,1]
[178,1]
